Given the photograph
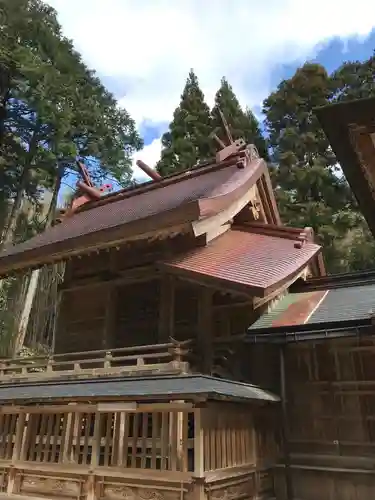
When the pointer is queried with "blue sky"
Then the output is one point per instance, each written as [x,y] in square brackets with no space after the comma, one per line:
[143,49]
[331,56]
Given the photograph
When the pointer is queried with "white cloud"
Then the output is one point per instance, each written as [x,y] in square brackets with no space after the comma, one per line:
[150,154]
[150,45]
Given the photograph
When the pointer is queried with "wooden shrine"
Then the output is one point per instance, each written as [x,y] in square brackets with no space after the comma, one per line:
[149,391]
[140,396]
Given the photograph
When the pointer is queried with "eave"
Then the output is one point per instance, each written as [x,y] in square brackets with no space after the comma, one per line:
[350,129]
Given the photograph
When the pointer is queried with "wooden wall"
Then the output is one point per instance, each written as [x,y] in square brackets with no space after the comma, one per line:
[331,413]
[241,439]
[118,299]
[77,451]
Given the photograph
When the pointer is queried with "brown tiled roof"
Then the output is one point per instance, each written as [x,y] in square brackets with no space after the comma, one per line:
[255,263]
[158,206]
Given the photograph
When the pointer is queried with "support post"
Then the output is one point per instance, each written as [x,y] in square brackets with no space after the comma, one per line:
[108,340]
[166,311]
[198,455]
[285,426]
[57,309]
[205,333]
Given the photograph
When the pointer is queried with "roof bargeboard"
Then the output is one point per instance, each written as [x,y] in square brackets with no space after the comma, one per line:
[350,129]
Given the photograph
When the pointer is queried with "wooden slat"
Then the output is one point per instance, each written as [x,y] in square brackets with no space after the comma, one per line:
[164,441]
[116,438]
[95,452]
[41,434]
[135,440]
[144,440]
[155,438]
[47,444]
[173,441]
[108,440]
[126,439]
[85,451]
[185,436]
[55,439]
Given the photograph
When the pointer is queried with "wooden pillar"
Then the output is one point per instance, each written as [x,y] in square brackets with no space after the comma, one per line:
[205,329]
[57,315]
[199,454]
[96,441]
[109,334]
[17,450]
[166,309]
[285,426]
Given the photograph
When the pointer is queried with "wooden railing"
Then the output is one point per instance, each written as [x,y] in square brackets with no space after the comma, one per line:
[163,358]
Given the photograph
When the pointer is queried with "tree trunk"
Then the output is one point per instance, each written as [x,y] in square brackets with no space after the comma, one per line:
[4,95]
[11,226]
[32,288]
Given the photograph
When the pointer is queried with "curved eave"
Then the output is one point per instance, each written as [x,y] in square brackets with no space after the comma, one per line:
[247,263]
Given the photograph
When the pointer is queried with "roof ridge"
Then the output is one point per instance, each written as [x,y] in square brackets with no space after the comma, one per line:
[151,185]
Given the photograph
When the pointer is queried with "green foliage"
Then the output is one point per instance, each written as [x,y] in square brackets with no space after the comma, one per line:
[188,138]
[241,124]
[309,186]
[54,107]
[354,80]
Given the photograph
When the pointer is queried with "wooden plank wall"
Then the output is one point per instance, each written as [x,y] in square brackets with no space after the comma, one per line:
[331,410]
[68,454]
[113,439]
[229,437]
[143,307]
[239,438]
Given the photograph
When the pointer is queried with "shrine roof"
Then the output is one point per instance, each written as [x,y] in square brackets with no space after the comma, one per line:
[146,209]
[338,307]
[253,262]
[350,129]
[188,387]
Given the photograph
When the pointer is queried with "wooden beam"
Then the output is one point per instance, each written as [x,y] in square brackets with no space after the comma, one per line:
[130,406]
[134,275]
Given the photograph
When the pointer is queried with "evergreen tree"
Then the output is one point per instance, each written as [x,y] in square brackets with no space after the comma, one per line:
[241,124]
[354,80]
[53,109]
[56,109]
[188,139]
[309,191]
[309,186]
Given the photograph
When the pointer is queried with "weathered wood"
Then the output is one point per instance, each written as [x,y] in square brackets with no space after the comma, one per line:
[205,329]
[100,362]
[167,309]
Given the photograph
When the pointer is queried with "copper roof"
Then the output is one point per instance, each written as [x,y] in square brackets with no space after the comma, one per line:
[170,202]
[331,307]
[253,263]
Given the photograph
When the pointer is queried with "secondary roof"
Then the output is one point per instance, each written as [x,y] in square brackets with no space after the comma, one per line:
[160,387]
[321,313]
[252,262]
